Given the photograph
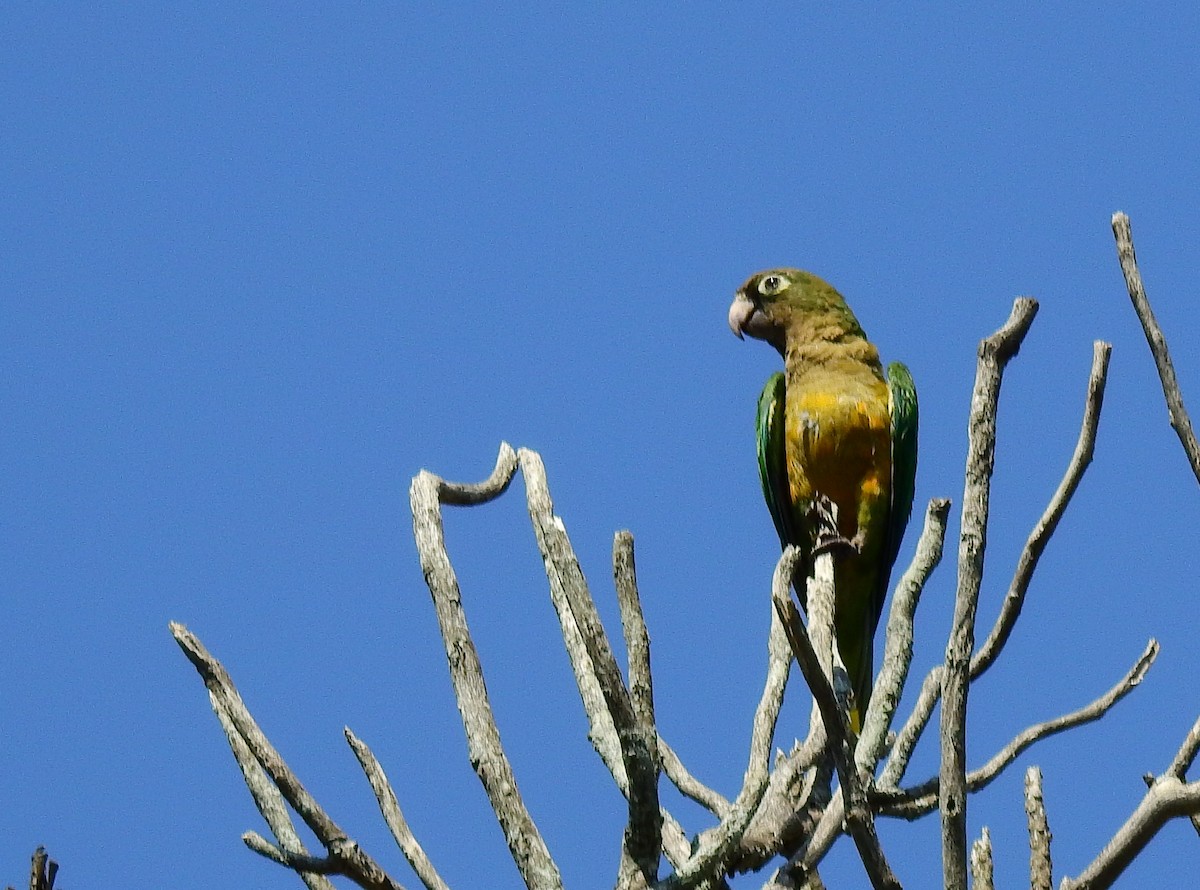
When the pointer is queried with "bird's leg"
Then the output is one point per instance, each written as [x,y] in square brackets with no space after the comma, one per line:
[823,516]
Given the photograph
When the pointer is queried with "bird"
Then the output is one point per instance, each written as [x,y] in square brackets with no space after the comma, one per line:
[833,428]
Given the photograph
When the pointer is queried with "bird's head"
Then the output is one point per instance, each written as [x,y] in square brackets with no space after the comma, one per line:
[772,303]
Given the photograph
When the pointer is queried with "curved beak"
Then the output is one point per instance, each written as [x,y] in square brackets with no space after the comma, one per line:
[740,311]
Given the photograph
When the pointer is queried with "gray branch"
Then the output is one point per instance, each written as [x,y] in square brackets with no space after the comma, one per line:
[643,839]
[689,785]
[631,755]
[393,816]
[1085,447]
[860,820]
[981,861]
[915,802]
[994,353]
[1168,797]
[266,797]
[348,858]
[638,743]
[1010,610]
[484,748]
[717,846]
[1040,872]
[1180,421]
[898,638]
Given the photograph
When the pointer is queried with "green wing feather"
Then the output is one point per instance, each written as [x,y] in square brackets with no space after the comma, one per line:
[902,394]
[772,463]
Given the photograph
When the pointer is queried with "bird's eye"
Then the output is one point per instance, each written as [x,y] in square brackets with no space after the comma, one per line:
[771,285]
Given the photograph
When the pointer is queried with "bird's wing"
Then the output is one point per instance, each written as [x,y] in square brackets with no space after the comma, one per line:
[772,464]
[902,396]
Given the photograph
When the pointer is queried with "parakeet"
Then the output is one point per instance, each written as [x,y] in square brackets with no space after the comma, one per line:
[833,425]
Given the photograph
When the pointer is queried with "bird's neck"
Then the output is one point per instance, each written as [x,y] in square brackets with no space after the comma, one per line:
[821,338]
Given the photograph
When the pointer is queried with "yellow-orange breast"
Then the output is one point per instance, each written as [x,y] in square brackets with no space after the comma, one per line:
[838,431]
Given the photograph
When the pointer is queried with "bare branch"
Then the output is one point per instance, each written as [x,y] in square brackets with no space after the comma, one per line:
[915,802]
[889,685]
[298,862]
[484,748]
[893,675]
[467,494]
[981,862]
[563,571]
[798,797]
[814,663]
[914,726]
[994,353]
[898,640]
[1186,754]
[1040,872]
[602,732]
[42,871]
[1167,798]
[266,796]
[931,688]
[688,785]
[643,839]
[859,818]
[1158,343]
[637,638]
[389,806]
[638,743]
[355,862]
[718,844]
[1040,536]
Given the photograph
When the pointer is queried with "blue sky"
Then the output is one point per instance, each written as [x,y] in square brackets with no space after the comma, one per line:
[261,265]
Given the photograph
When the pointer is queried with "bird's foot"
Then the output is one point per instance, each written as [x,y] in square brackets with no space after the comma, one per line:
[835,544]
[823,516]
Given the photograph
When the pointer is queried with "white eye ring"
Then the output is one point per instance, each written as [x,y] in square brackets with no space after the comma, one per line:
[772,284]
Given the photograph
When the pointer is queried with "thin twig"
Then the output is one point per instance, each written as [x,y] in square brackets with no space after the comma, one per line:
[688,785]
[303,863]
[352,859]
[994,353]
[266,796]
[1180,421]
[485,750]
[1040,536]
[389,806]
[1040,869]
[912,803]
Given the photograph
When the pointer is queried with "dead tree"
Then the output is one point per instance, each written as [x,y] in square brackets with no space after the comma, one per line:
[791,808]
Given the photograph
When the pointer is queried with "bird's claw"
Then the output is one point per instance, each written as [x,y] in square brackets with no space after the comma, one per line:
[823,516]
[835,544]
